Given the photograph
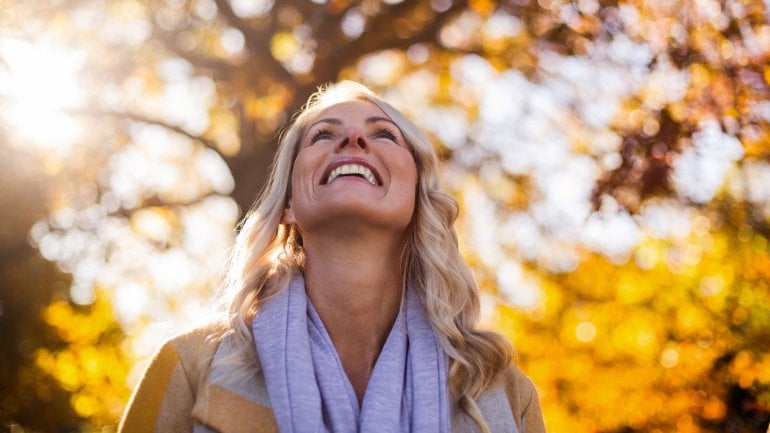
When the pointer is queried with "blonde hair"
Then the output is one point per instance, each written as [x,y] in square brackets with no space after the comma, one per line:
[267,254]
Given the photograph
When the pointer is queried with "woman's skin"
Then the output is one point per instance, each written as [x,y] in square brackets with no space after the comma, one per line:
[353,231]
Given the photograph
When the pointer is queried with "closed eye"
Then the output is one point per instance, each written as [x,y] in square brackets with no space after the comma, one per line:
[321,134]
[385,133]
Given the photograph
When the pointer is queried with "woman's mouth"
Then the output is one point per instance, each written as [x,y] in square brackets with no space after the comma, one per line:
[352,168]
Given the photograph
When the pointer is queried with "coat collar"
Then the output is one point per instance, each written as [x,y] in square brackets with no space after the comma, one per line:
[230,402]
[242,405]
[226,411]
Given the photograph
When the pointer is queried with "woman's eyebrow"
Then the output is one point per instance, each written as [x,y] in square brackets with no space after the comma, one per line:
[374,119]
[330,120]
[335,121]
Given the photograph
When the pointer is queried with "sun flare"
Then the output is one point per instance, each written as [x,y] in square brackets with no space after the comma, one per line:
[38,83]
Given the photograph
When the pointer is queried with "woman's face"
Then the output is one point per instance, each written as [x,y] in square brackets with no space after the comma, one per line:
[354,169]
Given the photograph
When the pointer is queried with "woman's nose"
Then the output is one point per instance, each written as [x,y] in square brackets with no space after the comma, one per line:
[355,137]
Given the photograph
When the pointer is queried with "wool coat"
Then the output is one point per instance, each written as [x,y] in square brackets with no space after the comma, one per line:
[182,390]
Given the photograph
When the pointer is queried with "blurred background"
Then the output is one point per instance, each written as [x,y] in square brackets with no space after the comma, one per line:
[611,159]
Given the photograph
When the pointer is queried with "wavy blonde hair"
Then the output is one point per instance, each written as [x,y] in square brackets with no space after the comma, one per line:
[267,254]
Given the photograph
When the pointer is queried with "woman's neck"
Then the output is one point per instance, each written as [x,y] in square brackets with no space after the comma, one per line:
[355,285]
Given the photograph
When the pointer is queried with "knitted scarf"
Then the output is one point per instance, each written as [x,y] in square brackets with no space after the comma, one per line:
[310,392]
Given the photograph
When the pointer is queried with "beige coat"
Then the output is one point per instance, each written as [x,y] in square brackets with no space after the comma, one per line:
[180,392]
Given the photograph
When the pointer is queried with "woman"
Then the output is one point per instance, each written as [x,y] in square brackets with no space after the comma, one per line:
[352,309]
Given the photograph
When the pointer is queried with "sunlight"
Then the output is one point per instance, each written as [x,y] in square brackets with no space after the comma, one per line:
[38,81]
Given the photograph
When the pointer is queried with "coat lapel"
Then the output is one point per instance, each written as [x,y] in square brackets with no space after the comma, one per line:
[233,406]
[228,412]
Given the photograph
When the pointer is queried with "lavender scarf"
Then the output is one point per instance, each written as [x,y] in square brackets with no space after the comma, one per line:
[309,391]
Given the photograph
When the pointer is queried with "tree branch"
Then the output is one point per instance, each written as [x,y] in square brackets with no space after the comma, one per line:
[380,35]
[168,39]
[155,201]
[136,117]
[256,42]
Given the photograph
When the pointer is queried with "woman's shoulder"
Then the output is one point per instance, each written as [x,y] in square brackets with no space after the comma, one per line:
[167,387]
[523,399]
[517,384]
[196,343]
[194,349]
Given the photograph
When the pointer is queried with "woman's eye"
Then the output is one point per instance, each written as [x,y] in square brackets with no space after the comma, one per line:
[385,133]
[321,134]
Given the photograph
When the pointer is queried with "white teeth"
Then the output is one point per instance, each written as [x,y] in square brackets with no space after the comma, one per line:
[352,169]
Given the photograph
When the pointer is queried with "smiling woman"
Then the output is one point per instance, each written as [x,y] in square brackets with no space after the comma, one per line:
[351,308]
[328,188]
[37,82]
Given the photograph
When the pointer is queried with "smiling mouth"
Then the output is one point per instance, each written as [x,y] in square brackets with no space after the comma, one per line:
[357,170]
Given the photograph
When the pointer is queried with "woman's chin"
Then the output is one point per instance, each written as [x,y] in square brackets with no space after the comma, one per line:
[355,217]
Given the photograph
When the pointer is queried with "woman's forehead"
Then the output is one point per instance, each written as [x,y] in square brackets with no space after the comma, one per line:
[350,109]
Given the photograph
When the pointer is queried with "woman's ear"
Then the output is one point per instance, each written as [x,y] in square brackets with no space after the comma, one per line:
[287,217]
